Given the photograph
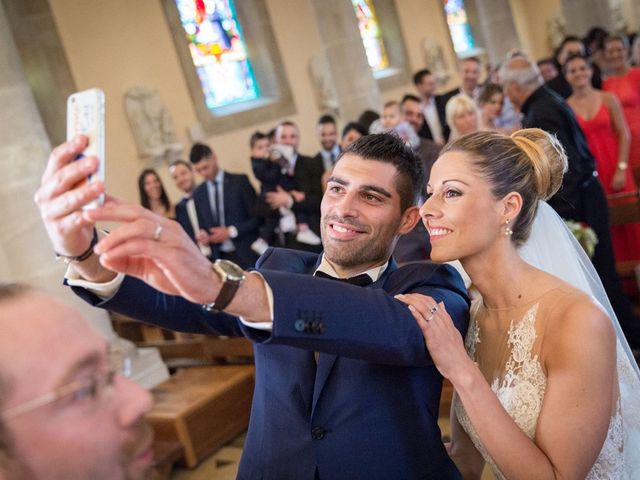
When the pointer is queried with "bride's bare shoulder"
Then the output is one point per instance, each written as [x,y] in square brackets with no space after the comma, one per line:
[577,320]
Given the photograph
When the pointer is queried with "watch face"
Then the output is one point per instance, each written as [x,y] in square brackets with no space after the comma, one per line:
[232,271]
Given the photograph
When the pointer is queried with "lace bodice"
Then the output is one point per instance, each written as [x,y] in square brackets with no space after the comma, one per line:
[513,369]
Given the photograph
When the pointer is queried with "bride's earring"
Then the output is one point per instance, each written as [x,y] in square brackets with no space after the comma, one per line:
[507,231]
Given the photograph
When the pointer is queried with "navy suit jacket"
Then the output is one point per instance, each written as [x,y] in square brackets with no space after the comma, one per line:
[183,218]
[369,408]
[240,203]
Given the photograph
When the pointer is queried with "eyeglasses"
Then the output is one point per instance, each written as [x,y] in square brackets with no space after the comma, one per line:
[96,387]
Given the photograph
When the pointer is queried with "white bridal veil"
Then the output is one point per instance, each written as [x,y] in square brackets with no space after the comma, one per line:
[552,248]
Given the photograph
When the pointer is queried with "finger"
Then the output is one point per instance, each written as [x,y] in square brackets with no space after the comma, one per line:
[420,320]
[141,229]
[64,154]
[123,212]
[67,178]
[71,224]
[70,202]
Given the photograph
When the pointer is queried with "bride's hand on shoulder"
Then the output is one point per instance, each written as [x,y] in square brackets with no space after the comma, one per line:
[443,340]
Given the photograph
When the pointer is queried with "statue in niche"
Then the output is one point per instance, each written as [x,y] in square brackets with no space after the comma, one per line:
[322,81]
[151,125]
[435,61]
[556,31]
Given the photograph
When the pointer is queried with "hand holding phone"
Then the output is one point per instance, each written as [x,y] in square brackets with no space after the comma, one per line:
[85,116]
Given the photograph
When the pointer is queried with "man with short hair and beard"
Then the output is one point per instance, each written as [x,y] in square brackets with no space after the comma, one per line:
[345,387]
[65,413]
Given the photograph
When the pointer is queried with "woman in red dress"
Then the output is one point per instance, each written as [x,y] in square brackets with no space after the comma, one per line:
[601,118]
[624,83]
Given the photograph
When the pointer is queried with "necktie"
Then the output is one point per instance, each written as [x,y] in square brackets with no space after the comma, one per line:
[216,204]
[361,280]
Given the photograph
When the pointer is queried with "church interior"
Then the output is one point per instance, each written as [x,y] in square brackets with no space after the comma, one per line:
[287,60]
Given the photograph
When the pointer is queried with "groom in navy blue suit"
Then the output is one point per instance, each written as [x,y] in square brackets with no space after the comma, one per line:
[345,387]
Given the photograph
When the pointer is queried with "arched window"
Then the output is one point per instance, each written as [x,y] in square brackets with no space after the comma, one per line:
[218,51]
[370,33]
[459,27]
[231,62]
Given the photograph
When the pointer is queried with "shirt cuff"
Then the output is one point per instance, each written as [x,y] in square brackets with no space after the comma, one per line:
[265,326]
[233,231]
[104,291]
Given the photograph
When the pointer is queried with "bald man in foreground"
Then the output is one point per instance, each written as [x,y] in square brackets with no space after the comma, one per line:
[66,414]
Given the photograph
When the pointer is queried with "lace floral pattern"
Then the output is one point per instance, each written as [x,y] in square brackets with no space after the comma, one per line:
[521,392]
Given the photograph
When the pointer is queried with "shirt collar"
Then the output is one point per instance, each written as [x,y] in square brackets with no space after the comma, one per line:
[375,273]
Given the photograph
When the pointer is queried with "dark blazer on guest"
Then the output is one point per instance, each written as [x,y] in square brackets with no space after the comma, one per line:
[183,218]
[441,105]
[239,200]
[308,177]
[368,408]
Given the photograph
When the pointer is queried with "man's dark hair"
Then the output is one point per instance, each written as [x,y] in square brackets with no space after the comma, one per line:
[255,136]
[595,35]
[326,119]
[565,40]
[420,74]
[367,117]
[545,60]
[409,97]
[354,126]
[180,162]
[389,148]
[199,151]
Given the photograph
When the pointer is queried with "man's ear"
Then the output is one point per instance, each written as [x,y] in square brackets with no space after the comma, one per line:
[410,218]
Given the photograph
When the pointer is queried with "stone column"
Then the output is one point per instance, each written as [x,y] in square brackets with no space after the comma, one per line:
[581,15]
[25,253]
[498,28]
[354,86]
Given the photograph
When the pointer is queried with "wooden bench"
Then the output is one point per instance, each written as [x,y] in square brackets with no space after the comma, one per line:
[203,408]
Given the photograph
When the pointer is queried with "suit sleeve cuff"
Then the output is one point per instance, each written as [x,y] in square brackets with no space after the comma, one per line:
[103,291]
[265,326]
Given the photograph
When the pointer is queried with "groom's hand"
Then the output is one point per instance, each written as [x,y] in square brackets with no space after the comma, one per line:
[156,250]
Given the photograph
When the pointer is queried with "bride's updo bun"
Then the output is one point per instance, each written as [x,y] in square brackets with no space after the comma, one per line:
[531,162]
[547,156]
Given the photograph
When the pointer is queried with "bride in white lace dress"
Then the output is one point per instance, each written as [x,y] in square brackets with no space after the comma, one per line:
[544,384]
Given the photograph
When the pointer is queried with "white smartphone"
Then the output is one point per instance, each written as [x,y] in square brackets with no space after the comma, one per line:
[85,115]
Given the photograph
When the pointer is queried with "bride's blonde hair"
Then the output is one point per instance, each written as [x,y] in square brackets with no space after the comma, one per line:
[531,162]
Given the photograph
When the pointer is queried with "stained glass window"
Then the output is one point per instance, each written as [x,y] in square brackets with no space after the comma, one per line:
[218,51]
[370,33]
[459,26]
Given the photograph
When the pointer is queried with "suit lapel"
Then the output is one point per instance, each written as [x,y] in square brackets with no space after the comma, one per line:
[326,361]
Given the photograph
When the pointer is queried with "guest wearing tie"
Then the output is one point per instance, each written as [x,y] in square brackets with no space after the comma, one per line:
[185,179]
[225,206]
[432,110]
[328,136]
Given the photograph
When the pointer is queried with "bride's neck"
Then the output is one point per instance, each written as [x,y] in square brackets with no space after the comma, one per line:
[500,275]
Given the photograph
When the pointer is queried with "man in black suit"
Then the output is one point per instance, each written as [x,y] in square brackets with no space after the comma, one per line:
[225,206]
[305,201]
[581,197]
[327,131]
[185,179]
[432,107]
